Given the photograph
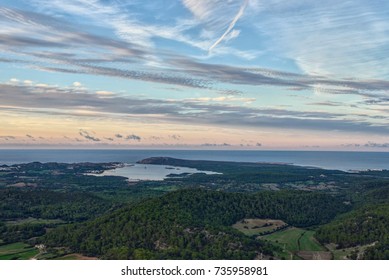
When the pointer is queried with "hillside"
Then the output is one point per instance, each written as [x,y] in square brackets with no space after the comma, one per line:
[368,225]
[192,224]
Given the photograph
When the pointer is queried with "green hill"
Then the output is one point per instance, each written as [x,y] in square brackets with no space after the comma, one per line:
[367,225]
[192,224]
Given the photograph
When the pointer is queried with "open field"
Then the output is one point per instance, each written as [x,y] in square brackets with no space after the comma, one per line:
[17,251]
[252,227]
[309,243]
[287,238]
[298,243]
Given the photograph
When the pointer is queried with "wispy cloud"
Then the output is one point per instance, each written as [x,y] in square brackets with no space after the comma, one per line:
[88,135]
[331,38]
[116,58]
[191,67]
[21,97]
[230,26]
[121,18]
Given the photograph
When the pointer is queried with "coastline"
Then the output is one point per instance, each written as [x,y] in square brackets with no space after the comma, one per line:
[345,161]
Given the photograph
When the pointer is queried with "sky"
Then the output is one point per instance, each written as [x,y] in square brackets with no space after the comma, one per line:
[195,74]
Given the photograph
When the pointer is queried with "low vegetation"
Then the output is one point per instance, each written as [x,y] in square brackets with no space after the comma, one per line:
[17,251]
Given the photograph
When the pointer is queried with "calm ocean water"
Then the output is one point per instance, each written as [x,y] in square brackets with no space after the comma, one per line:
[327,160]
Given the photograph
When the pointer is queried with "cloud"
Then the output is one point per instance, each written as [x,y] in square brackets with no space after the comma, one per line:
[92,138]
[230,26]
[44,31]
[29,136]
[104,92]
[135,34]
[221,99]
[28,82]
[326,103]
[77,84]
[175,137]
[109,138]
[42,85]
[68,102]
[311,146]
[165,77]
[87,135]
[215,145]
[376,145]
[123,20]
[322,39]
[366,145]
[118,136]
[44,42]
[133,137]
[7,138]
[215,16]
[23,41]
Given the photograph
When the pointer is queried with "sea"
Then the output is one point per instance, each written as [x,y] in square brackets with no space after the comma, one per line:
[323,159]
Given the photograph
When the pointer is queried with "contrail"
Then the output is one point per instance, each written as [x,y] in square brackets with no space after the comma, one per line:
[231,26]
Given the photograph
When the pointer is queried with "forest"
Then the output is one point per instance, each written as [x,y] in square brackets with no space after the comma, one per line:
[192,223]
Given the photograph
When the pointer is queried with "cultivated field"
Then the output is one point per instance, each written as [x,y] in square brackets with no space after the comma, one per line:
[297,243]
[17,251]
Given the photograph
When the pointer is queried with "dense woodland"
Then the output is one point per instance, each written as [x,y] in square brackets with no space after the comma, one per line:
[192,224]
[61,206]
[18,203]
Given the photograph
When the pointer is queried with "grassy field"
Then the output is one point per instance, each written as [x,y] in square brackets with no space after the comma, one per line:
[309,243]
[17,251]
[252,227]
[287,238]
[298,243]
